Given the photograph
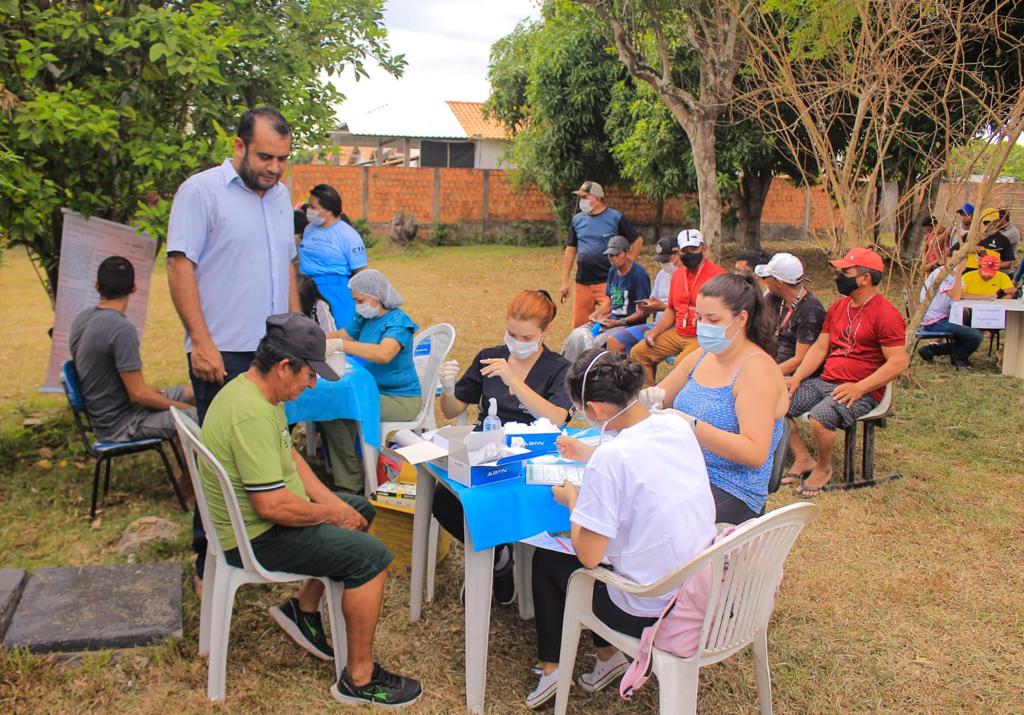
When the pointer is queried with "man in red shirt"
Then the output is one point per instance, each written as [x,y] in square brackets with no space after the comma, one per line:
[862,346]
[675,333]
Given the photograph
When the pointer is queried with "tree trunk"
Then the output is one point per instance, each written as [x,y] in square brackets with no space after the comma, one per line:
[702,145]
[748,198]
[911,233]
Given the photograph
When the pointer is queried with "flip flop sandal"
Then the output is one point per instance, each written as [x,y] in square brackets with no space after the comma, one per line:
[806,492]
[790,478]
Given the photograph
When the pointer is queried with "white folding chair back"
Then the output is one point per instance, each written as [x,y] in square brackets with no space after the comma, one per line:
[221,580]
[441,337]
[882,408]
[745,569]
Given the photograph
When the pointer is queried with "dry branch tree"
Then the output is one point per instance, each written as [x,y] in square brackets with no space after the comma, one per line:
[883,89]
[648,35]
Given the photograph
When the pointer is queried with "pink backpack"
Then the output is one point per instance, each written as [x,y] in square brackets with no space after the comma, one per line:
[677,630]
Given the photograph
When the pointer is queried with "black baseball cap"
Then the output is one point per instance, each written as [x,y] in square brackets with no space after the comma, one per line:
[301,338]
[664,248]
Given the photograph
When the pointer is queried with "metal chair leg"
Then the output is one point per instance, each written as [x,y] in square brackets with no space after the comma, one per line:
[95,486]
[106,478]
[170,476]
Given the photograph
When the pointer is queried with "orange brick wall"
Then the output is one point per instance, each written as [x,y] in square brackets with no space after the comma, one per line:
[461,197]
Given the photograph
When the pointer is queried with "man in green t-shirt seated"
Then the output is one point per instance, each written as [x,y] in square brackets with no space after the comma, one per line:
[293,521]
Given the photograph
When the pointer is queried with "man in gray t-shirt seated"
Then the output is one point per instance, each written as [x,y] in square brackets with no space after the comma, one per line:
[105,347]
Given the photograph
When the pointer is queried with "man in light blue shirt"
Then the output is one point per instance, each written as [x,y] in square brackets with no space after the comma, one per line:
[230,245]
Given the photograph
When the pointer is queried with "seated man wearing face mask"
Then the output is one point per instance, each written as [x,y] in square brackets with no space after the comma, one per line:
[381,334]
[862,348]
[525,379]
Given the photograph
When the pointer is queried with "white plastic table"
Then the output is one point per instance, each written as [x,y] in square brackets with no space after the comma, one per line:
[528,511]
[1013,338]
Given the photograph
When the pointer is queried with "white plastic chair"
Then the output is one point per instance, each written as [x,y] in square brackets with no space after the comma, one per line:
[221,580]
[740,604]
[441,337]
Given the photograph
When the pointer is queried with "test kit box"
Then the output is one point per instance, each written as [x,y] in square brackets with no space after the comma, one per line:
[535,442]
[462,442]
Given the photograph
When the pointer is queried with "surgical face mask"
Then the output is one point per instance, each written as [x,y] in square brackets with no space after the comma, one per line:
[521,349]
[314,217]
[692,260]
[585,206]
[367,310]
[669,267]
[846,284]
[712,338]
[602,426]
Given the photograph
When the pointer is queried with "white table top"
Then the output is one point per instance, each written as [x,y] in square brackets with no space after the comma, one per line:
[1017,305]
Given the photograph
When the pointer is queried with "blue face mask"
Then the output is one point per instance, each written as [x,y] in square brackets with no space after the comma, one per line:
[712,337]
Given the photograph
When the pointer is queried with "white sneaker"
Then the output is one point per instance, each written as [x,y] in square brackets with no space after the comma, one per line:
[604,673]
[546,688]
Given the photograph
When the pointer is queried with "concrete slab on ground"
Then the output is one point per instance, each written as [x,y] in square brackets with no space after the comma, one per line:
[11,583]
[97,607]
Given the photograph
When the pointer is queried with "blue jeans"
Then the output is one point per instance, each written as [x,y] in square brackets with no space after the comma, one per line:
[1019,275]
[234,365]
[965,340]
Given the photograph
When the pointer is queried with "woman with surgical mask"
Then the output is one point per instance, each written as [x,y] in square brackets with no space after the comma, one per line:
[525,379]
[381,336]
[644,507]
[733,394]
[331,251]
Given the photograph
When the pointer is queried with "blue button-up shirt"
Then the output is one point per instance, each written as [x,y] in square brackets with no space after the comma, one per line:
[242,245]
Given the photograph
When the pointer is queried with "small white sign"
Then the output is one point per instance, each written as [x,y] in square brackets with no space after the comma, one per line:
[988,317]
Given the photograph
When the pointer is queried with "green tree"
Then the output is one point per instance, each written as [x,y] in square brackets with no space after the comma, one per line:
[551,84]
[110,105]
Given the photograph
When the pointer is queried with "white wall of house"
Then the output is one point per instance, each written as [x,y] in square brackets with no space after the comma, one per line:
[489,153]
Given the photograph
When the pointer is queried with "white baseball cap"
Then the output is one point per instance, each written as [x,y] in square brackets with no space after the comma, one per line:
[689,237]
[784,266]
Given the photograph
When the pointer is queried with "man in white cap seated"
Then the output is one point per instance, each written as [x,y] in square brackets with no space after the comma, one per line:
[675,333]
[799,313]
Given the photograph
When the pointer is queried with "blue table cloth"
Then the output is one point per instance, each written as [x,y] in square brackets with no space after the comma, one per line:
[353,397]
[505,512]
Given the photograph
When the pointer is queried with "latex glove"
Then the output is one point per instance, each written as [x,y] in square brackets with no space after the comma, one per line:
[335,345]
[651,397]
[448,374]
[690,419]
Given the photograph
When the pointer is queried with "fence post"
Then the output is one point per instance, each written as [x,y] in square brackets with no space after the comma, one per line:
[487,204]
[437,196]
[366,193]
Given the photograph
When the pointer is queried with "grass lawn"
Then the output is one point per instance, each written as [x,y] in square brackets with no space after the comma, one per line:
[903,598]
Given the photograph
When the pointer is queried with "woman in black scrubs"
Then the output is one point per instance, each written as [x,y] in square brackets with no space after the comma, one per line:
[528,382]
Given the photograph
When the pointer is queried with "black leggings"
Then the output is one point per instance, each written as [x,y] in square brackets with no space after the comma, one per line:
[729,509]
[551,572]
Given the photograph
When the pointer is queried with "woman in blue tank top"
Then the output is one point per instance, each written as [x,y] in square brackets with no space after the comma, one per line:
[733,393]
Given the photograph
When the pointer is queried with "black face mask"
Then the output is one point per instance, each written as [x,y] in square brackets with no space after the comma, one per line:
[846,284]
[692,260]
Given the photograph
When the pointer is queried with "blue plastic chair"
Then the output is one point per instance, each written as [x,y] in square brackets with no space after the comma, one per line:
[104,452]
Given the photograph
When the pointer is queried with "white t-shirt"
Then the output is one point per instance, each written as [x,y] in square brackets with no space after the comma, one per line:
[647,490]
[938,309]
[659,290]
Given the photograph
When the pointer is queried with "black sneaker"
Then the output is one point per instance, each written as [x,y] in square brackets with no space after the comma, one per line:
[306,629]
[926,354]
[385,690]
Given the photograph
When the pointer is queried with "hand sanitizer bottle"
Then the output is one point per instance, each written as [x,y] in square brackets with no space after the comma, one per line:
[491,421]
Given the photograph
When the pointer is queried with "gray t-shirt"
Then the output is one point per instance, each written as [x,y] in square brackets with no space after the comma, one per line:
[104,344]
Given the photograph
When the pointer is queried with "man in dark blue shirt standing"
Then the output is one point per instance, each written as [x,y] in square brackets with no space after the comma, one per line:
[591,229]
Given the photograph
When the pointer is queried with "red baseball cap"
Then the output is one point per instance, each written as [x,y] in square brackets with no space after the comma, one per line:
[861,258]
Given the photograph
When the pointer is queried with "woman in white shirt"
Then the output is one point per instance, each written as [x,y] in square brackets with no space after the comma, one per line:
[645,508]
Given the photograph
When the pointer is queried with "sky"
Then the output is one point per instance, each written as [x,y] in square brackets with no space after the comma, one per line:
[447,45]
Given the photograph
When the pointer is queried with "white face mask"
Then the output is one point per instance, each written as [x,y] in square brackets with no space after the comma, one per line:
[669,267]
[585,206]
[314,217]
[602,426]
[367,310]
[521,349]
